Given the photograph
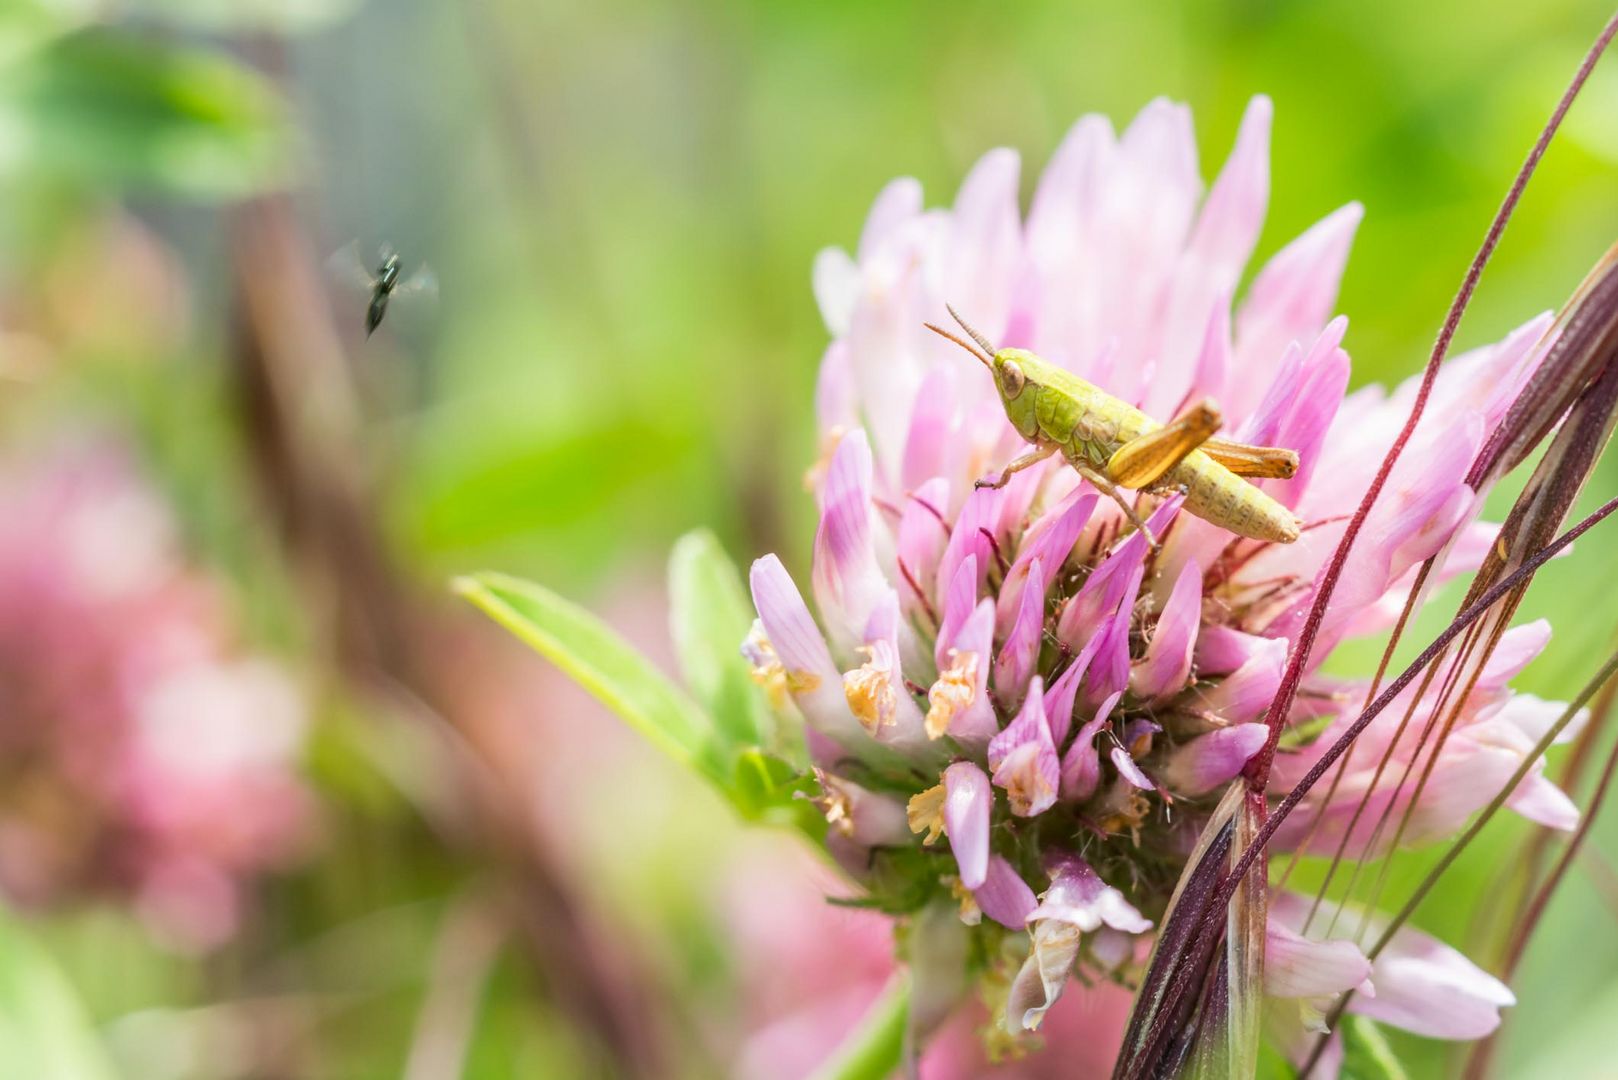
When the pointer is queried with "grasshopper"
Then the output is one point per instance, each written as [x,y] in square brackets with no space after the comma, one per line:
[1115,446]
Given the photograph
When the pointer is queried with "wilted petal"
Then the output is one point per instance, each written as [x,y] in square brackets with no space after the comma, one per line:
[1023,758]
[1004,896]
[865,817]
[1043,975]
[1203,763]
[968,801]
[1167,663]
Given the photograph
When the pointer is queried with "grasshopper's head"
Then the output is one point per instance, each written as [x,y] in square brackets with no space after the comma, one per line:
[1011,371]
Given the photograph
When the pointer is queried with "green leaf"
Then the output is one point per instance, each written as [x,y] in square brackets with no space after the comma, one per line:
[709,615]
[1366,1053]
[105,108]
[603,663]
[44,1031]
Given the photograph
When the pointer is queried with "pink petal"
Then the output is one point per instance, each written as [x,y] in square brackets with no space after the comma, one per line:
[1207,761]
[960,599]
[985,240]
[1428,988]
[921,541]
[1024,760]
[1129,770]
[1019,655]
[968,800]
[1050,540]
[1298,967]
[974,726]
[1245,693]
[933,423]
[1060,698]
[1167,663]
[980,511]
[836,394]
[896,204]
[1081,765]
[1219,247]
[812,678]
[1005,897]
[1295,967]
[1289,301]
[836,284]
[848,582]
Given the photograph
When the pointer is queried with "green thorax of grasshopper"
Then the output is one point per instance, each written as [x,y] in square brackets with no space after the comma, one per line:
[1048,404]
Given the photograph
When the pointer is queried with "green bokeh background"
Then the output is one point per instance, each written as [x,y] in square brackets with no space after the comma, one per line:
[622,201]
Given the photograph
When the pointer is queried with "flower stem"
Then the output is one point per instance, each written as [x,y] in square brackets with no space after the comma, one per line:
[875,1049]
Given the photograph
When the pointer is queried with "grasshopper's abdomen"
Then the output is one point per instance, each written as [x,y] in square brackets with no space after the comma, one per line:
[1219,496]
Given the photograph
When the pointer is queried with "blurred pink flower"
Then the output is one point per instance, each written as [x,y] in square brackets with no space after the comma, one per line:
[144,755]
[1024,640]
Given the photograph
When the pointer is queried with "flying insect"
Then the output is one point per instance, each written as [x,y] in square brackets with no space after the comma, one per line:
[384,283]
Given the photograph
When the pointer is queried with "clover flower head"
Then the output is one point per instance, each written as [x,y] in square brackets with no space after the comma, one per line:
[1052,703]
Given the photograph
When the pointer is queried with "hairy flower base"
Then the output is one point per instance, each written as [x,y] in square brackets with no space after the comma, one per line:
[1035,707]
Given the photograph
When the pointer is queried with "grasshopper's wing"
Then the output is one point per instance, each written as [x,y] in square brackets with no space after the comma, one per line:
[1143,460]
[1257,462]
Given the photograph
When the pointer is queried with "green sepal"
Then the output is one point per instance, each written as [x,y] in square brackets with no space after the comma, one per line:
[766,789]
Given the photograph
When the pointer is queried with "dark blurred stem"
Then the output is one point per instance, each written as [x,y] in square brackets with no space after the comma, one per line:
[385,637]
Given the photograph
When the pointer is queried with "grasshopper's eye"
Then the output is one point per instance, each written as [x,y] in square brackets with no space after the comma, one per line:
[1012,378]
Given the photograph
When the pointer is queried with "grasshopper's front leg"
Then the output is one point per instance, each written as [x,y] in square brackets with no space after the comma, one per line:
[1028,460]
[1107,487]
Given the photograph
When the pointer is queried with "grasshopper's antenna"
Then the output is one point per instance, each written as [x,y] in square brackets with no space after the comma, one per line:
[977,337]
[941,332]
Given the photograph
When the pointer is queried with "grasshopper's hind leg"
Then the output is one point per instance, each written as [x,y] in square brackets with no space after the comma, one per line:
[1111,489]
[1145,459]
[1028,460]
